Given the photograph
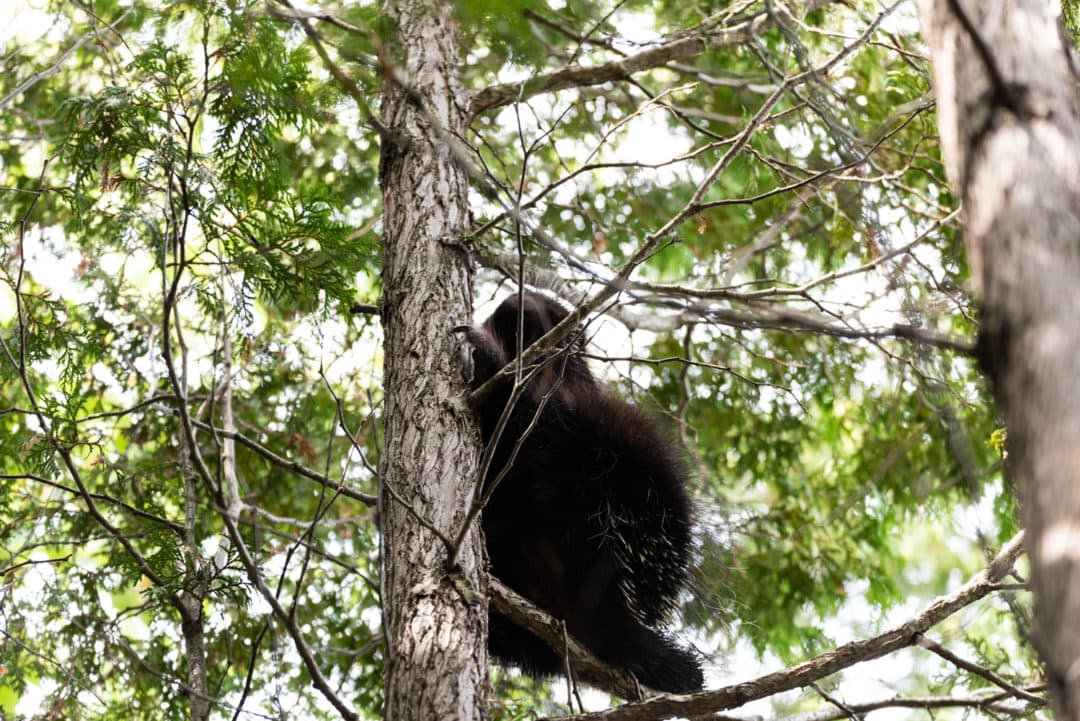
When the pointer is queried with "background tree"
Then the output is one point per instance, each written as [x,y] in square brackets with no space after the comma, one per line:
[748,201]
[1012,138]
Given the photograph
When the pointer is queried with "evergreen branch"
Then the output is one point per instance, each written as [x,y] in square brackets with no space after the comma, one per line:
[350,86]
[178,528]
[19,366]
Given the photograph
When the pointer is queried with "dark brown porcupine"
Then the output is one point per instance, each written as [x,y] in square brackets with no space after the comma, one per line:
[592,521]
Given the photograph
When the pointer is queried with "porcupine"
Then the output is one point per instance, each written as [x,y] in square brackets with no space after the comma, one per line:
[591,521]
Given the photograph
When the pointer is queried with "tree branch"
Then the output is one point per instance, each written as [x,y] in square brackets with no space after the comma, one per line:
[552,631]
[978,670]
[576,76]
[986,702]
[824,665]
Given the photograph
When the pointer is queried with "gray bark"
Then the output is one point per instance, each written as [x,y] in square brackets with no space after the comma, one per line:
[434,617]
[193,627]
[189,602]
[1007,114]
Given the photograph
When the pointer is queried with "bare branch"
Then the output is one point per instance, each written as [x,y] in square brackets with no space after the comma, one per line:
[993,702]
[56,65]
[553,632]
[576,76]
[978,670]
[298,468]
[824,665]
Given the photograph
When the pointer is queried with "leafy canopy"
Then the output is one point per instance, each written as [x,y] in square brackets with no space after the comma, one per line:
[191,216]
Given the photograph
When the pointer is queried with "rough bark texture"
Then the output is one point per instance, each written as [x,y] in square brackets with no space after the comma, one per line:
[434,619]
[193,627]
[1007,113]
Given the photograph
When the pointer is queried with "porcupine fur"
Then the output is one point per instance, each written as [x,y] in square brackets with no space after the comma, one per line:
[592,521]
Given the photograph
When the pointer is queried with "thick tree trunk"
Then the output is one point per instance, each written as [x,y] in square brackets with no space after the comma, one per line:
[1007,115]
[434,618]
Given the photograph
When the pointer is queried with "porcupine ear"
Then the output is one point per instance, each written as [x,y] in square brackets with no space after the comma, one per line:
[564,373]
[488,355]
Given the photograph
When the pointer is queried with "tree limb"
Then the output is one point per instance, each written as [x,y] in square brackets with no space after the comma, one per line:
[551,631]
[576,76]
[824,665]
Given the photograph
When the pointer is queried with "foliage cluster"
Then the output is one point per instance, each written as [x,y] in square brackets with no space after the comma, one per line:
[190,208]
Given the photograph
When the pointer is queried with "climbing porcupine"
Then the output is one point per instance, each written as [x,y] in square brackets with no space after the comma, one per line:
[592,521]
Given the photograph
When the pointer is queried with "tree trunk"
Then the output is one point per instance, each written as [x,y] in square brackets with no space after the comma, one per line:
[1007,114]
[434,617]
